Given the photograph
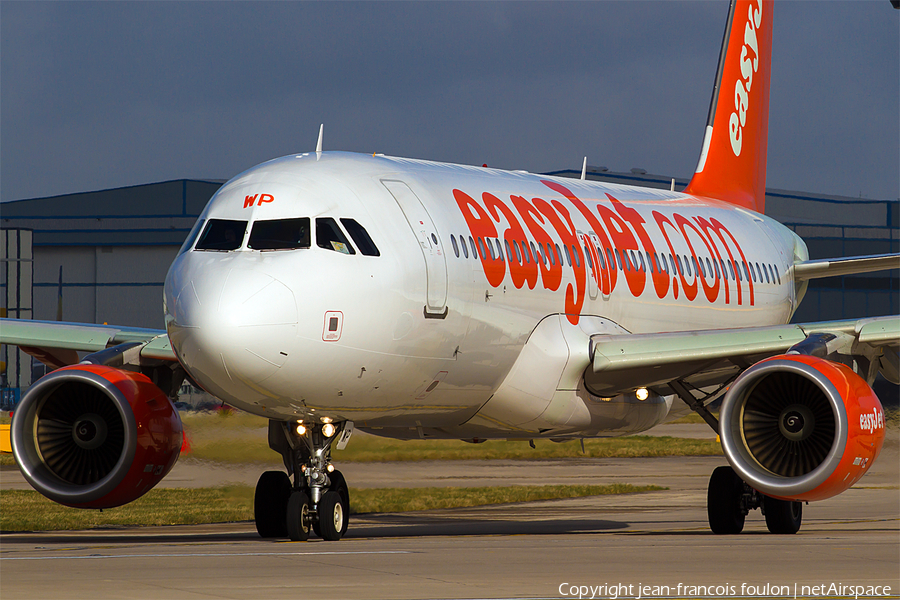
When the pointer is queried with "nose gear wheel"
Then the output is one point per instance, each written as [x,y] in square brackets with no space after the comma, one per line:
[299,516]
[318,501]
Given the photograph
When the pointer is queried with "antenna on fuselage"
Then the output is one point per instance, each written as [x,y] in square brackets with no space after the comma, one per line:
[321,132]
[584,169]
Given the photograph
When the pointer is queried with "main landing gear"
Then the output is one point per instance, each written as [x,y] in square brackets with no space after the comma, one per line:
[729,500]
[318,500]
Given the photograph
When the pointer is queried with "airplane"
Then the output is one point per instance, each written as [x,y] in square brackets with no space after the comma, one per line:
[334,291]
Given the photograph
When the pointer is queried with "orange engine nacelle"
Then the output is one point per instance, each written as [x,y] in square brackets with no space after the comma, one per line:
[91,436]
[797,427]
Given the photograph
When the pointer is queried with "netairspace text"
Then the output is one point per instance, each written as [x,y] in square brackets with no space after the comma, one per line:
[614,591]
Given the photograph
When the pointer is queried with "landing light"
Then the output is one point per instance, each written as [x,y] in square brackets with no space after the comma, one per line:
[301,429]
[642,394]
[328,430]
[330,468]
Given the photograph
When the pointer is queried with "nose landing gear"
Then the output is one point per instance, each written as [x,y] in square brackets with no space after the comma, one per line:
[318,500]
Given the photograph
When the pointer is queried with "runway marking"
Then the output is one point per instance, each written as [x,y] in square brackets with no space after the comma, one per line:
[199,554]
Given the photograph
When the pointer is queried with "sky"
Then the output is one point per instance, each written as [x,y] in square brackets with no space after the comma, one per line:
[96,95]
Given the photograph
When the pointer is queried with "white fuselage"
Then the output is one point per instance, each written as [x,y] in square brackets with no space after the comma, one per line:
[470,261]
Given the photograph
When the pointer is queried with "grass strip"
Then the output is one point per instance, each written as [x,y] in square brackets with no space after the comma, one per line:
[380,500]
[240,438]
[29,511]
[363,448]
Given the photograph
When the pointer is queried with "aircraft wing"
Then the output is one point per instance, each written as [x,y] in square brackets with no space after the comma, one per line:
[621,363]
[57,344]
[830,267]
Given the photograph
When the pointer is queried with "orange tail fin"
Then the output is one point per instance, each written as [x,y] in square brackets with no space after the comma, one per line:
[732,164]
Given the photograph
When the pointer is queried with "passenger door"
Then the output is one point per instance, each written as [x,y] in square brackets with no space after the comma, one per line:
[426,233]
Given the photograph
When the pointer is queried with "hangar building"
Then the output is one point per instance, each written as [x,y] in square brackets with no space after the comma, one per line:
[114,248]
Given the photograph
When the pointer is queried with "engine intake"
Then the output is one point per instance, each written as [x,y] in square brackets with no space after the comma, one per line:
[91,436]
[795,427]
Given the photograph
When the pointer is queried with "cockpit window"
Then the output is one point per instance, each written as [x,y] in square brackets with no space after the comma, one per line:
[222,234]
[330,236]
[361,237]
[280,234]
[192,237]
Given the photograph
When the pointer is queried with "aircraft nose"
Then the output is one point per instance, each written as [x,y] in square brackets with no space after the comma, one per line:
[232,324]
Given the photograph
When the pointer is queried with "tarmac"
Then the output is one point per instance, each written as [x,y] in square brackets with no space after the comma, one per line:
[632,546]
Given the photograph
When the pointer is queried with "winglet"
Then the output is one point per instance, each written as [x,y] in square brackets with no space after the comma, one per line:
[321,132]
[732,165]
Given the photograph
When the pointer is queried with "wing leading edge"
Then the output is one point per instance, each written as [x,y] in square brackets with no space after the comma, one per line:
[831,267]
[57,343]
